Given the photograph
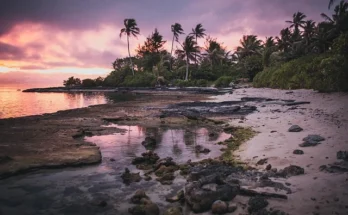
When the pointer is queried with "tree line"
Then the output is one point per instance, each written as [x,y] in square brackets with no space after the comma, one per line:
[189,64]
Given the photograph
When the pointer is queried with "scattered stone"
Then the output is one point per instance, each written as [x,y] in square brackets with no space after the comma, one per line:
[179,196]
[314,137]
[219,207]
[149,143]
[173,211]
[273,131]
[322,167]
[129,177]
[147,178]
[256,204]
[268,167]
[148,157]
[309,143]
[313,199]
[341,155]
[147,207]
[287,184]
[262,161]
[201,149]
[139,194]
[291,170]
[166,179]
[298,152]
[295,128]
[232,207]
[275,170]
[112,160]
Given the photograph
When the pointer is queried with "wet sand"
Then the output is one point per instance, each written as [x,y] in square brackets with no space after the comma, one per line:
[315,192]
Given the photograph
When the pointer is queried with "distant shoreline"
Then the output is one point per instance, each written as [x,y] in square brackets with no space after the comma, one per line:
[125,89]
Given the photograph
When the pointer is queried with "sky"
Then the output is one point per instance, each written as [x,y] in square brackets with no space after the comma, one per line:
[60,38]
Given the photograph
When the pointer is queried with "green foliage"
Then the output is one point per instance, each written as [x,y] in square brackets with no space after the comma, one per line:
[88,83]
[143,79]
[71,82]
[192,83]
[253,65]
[320,72]
[223,81]
[115,78]
[340,45]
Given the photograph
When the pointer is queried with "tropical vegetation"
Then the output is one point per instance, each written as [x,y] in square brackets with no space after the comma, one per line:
[305,54]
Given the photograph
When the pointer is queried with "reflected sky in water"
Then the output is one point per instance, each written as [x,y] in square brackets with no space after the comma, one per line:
[15,103]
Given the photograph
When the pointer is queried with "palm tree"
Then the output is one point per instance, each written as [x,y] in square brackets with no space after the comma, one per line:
[214,52]
[177,30]
[130,29]
[269,46]
[297,22]
[188,52]
[331,2]
[308,30]
[284,41]
[249,45]
[339,18]
[198,32]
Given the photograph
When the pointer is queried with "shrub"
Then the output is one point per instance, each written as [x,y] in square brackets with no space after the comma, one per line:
[141,79]
[223,81]
[340,45]
[88,83]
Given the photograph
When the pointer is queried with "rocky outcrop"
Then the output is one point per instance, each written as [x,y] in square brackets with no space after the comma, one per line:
[256,204]
[129,177]
[149,143]
[289,171]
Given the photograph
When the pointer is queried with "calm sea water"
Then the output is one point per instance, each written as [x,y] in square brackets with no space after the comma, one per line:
[14,103]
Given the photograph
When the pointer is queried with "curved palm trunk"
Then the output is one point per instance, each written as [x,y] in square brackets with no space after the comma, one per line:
[196,53]
[130,55]
[171,54]
[187,68]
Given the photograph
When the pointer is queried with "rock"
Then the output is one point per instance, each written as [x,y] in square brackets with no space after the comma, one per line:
[112,160]
[262,161]
[149,143]
[5,159]
[291,170]
[210,187]
[129,177]
[275,170]
[165,170]
[147,178]
[268,167]
[232,207]
[295,128]
[168,161]
[146,208]
[314,137]
[139,194]
[173,211]
[256,204]
[179,196]
[102,204]
[219,207]
[298,152]
[166,179]
[309,143]
[341,155]
[148,157]
[201,149]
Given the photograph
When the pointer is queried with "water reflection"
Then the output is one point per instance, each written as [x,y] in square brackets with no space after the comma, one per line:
[14,103]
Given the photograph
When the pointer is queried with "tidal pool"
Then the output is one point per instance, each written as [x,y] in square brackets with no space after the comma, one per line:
[80,190]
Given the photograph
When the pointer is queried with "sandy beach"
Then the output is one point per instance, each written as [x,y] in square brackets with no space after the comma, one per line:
[315,192]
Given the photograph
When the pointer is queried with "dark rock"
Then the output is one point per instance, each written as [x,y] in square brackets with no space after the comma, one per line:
[165,170]
[102,204]
[291,170]
[341,155]
[112,160]
[275,170]
[173,211]
[166,179]
[5,159]
[147,178]
[148,157]
[146,207]
[298,152]
[129,177]
[309,143]
[219,207]
[139,194]
[256,204]
[164,162]
[232,207]
[268,167]
[262,161]
[295,128]
[314,137]
[179,196]
[149,143]
[201,149]
[273,131]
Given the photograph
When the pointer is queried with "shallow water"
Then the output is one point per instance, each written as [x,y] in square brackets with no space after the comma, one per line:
[15,103]
[79,190]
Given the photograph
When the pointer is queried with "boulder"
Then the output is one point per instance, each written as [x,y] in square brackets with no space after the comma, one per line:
[256,204]
[298,152]
[341,155]
[295,128]
[291,170]
[179,196]
[166,179]
[314,137]
[148,157]
[201,149]
[149,143]
[262,161]
[146,207]
[139,194]
[232,207]
[309,143]
[219,207]
[173,211]
[129,177]
[268,167]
